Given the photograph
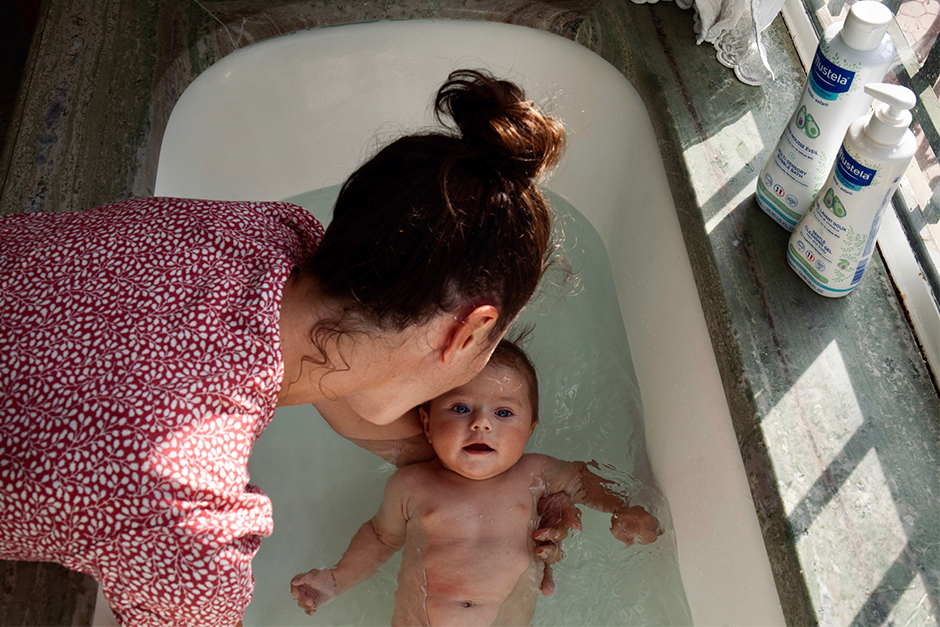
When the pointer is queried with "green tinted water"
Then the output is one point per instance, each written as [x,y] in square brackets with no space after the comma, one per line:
[324,487]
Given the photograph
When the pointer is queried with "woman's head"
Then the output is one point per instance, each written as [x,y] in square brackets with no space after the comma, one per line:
[445,221]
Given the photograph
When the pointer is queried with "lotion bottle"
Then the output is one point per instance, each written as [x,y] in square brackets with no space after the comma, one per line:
[850,55]
[832,244]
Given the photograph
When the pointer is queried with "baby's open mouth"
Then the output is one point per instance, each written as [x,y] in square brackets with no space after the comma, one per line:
[478,447]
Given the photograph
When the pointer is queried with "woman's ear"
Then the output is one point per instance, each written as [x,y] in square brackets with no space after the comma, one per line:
[471,335]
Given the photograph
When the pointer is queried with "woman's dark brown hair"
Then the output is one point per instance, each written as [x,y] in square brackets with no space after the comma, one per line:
[444,221]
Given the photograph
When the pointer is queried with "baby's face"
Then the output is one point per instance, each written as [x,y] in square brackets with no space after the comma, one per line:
[480,429]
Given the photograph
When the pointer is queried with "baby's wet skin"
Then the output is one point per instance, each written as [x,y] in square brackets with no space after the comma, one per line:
[466,521]
[480,429]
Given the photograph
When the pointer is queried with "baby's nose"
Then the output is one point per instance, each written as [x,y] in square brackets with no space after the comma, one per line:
[481,423]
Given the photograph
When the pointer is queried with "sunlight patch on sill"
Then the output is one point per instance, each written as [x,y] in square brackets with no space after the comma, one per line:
[729,152]
[811,425]
[853,561]
[850,533]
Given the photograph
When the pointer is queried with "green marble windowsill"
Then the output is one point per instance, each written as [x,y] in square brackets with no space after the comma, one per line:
[835,411]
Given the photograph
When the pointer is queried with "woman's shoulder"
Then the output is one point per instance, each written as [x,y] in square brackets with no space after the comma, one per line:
[263,223]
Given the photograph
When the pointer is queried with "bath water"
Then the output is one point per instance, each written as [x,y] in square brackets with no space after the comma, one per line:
[324,487]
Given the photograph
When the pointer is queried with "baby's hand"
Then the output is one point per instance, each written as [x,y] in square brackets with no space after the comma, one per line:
[313,589]
[634,524]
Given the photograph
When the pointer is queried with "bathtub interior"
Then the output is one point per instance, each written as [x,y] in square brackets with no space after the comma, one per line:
[298,113]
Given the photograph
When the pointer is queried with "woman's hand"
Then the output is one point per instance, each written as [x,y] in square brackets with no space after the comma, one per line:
[313,589]
[557,514]
[634,525]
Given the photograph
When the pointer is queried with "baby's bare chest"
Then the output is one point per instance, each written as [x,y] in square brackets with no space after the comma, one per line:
[503,516]
[484,513]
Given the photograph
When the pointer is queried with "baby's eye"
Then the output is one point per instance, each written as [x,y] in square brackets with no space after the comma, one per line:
[461,409]
[503,413]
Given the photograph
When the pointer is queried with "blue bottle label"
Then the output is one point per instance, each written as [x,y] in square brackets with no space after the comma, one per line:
[827,79]
[851,174]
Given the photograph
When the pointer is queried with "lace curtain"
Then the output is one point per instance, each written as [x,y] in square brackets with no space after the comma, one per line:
[733,27]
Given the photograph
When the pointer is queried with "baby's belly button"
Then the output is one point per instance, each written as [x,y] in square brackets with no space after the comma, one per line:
[462,604]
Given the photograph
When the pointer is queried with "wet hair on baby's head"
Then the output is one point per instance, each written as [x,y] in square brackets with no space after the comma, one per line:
[508,354]
[447,220]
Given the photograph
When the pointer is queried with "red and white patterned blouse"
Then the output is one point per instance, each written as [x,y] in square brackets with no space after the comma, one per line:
[139,362]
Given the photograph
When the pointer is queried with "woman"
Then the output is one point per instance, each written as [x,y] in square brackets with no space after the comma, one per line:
[147,343]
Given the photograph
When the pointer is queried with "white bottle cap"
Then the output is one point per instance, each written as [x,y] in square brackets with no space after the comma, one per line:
[889,121]
[865,25]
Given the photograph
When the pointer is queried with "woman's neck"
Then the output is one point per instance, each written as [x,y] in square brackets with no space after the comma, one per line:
[302,307]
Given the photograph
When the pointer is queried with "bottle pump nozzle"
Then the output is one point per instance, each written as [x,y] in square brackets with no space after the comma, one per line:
[889,121]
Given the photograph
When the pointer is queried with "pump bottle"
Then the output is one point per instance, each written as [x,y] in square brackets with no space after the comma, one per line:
[832,244]
[850,55]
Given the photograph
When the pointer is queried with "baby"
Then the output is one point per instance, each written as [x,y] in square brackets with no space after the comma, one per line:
[466,519]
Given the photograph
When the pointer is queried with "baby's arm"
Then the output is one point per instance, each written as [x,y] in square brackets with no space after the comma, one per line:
[629,524]
[375,542]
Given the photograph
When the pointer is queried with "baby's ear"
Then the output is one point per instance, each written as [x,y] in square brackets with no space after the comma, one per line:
[425,419]
[535,423]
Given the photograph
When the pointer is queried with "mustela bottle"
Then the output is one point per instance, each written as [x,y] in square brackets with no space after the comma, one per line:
[850,55]
[832,244]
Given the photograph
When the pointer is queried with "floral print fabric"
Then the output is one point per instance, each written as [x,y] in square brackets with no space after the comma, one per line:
[139,362]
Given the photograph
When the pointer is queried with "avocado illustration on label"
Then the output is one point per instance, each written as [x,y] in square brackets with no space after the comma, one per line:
[812,129]
[837,207]
[806,123]
[832,202]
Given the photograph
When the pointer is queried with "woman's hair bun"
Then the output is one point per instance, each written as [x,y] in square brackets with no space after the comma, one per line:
[499,124]
[442,221]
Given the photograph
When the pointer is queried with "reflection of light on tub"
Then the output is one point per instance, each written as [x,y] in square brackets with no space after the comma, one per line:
[844,515]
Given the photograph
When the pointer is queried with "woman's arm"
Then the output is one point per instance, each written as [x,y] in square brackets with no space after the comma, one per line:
[401,442]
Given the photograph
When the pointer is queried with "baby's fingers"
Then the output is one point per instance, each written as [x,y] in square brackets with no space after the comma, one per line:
[548,582]
[313,589]
[557,511]
[549,552]
[550,535]
[304,578]
[307,598]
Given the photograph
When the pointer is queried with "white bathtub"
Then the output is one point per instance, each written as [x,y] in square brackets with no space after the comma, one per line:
[299,112]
